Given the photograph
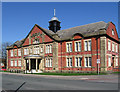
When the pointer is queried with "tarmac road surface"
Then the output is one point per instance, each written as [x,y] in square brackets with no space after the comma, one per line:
[46,82]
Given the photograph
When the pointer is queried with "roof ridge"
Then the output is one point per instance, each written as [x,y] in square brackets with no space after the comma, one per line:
[82,25]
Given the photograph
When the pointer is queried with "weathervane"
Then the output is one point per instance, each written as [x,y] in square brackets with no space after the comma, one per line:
[54,11]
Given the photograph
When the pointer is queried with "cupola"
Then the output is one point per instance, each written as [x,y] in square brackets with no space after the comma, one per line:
[54,24]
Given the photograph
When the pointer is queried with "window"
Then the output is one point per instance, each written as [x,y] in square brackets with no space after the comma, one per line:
[69,62]
[89,45]
[116,61]
[109,45]
[15,52]
[26,51]
[88,61]
[11,62]
[116,48]
[15,62]
[69,47]
[78,61]
[48,62]
[36,41]
[19,52]
[113,32]
[11,53]
[86,46]
[36,49]
[77,46]
[113,47]
[49,48]
[31,50]
[46,49]
[109,61]
[19,62]
[41,49]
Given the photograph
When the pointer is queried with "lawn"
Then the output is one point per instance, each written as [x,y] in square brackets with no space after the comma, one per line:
[62,74]
[69,74]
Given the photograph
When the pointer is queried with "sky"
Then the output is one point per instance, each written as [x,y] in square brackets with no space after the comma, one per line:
[19,18]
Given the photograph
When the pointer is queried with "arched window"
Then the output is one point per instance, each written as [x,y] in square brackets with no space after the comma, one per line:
[35,41]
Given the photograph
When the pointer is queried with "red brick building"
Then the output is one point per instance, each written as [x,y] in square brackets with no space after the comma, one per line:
[75,49]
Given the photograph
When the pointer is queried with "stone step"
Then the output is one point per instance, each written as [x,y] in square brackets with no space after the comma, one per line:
[34,71]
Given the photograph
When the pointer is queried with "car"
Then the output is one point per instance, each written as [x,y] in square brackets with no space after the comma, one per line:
[3,69]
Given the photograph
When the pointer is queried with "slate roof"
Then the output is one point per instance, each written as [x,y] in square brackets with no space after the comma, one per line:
[92,29]
[84,30]
[17,43]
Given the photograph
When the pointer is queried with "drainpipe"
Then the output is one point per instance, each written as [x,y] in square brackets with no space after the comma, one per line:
[61,57]
[97,50]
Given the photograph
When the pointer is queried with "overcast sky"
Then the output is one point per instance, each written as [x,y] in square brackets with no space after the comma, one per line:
[19,18]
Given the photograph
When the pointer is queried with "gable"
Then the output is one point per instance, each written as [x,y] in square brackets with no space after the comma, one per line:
[38,35]
[77,36]
[111,27]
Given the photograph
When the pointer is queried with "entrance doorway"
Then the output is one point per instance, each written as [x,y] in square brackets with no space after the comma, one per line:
[112,62]
[33,63]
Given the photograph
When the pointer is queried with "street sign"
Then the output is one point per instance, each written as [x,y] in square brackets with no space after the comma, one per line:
[98,61]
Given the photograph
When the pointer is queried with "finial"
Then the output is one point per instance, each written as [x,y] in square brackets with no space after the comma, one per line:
[54,11]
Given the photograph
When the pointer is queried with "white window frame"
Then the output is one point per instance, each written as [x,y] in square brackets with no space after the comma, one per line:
[69,62]
[109,45]
[113,32]
[78,61]
[15,62]
[19,52]
[113,47]
[26,51]
[78,46]
[41,49]
[68,46]
[11,63]
[116,47]
[88,45]
[88,61]
[19,63]
[31,50]
[109,61]
[11,52]
[48,62]
[46,49]
[116,62]
[15,52]
[36,50]
[50,48]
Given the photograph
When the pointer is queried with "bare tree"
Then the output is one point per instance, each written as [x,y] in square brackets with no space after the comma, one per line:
[3,51]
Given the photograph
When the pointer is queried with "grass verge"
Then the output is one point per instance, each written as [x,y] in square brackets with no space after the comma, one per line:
[69,74]
[62,74]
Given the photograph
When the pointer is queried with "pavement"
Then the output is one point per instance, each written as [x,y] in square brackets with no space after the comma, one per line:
[11,81]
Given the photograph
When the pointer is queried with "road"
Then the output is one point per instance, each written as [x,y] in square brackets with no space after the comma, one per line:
[36,82]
